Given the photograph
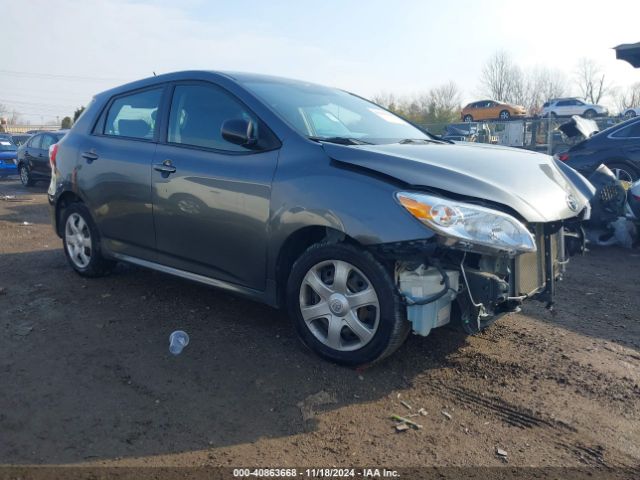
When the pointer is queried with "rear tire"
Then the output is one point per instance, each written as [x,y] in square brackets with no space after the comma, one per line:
[381,325]
[630,114]
[81,242]
[25,175]
[467,118]
[505,115]
[589,114]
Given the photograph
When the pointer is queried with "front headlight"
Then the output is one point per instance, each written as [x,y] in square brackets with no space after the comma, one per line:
[469,223]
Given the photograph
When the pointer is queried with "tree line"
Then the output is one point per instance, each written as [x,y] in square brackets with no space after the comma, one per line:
[502,79]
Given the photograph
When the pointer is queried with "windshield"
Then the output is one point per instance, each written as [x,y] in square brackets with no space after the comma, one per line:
[327,113]
[6,145]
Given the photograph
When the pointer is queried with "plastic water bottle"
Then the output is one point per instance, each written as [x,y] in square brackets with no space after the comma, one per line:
[177,341]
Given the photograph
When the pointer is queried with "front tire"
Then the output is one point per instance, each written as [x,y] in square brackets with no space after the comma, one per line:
[623,171]
[81,242]
[589,114]
[505,115]
[345,306]
[25,175]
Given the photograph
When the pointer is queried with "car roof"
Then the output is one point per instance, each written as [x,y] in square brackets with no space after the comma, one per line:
[237,77]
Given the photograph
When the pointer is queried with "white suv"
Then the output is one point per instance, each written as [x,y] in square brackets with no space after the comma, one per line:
[566,107]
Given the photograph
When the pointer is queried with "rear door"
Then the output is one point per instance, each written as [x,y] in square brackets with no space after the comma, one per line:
[33,152]
[481,111]
[493,110]
[211,209]
[114,171]
[577,107]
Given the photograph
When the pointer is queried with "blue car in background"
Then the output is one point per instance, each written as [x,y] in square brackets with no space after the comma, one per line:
[8,155]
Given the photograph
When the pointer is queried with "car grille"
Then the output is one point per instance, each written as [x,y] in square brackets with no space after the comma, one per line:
[530,267]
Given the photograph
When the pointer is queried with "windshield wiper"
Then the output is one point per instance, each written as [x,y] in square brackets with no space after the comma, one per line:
[406,141]
[340,140]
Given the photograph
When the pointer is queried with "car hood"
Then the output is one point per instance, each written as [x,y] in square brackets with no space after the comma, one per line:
[530,183]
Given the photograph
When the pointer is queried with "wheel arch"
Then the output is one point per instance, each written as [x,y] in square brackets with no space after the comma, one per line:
[65,199]
[295,244]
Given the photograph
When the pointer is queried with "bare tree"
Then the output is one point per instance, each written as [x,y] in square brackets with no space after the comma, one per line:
[15,118]
[627,97]
[443,102]
[440,104]
[590,80]
[542,84]
[387,100]
[500,77]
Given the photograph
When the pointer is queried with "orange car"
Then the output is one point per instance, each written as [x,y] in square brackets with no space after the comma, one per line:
[491,110]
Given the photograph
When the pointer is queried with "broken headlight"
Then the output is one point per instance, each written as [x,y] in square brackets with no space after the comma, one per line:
[469,224]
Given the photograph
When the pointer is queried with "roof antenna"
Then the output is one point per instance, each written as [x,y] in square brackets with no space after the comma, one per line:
[154,74]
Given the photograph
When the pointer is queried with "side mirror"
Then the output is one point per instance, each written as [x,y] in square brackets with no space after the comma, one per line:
[239,132]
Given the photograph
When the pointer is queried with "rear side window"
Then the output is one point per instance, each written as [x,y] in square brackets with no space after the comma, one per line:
[35,142]
[134,116]
[197,115]
[630,131]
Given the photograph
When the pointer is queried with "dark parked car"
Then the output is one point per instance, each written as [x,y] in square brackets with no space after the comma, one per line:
[20,138]
[306,197]
[618,147]
[8,152]
[33,157]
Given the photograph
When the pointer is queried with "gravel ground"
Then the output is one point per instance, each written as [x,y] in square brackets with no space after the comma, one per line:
[86,377]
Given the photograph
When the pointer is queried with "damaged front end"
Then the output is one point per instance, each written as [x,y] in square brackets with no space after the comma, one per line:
[472,282]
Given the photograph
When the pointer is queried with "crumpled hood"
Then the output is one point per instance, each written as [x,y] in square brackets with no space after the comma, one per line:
[579,126]
[528,182]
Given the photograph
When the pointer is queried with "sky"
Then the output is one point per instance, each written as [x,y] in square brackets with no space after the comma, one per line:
[56,54]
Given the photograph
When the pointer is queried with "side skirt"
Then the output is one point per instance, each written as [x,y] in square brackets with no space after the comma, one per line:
[257,295]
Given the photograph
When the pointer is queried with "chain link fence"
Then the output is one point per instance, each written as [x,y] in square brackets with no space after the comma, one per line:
[27,128]
[539,134]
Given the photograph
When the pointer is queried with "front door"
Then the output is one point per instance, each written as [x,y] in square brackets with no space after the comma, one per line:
[211,197]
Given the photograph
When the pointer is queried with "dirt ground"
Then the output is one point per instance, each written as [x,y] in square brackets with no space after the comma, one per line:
[86,377]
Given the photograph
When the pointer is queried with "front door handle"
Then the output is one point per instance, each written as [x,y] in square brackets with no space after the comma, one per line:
[89,156]
[165,167]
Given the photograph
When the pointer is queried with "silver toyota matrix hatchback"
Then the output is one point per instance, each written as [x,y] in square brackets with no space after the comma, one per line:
[363,226]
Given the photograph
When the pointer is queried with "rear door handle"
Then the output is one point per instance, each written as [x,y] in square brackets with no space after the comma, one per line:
[165,167]
[89,156]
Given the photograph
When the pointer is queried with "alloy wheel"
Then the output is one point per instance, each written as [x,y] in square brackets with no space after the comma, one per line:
[24,175]
[339,305]
[78,240]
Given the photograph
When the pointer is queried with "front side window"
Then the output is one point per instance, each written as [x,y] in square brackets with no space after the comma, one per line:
[47,141]
[134,115]
[35,142]
[321,112]
[198,113]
